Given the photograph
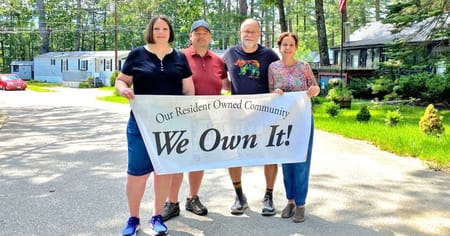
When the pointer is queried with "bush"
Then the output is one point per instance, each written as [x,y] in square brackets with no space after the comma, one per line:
[361,87]
[363,114]
[393,118]
[339,94]
[112,78]
[424,86]
[412,85]
[383,86]
[431,123]
[84,84]
[332,109]
[90,82]
[435,88]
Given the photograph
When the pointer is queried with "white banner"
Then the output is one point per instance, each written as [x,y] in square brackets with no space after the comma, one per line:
[187,133]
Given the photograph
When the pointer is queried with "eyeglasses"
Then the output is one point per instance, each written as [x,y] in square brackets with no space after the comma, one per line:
[249,32]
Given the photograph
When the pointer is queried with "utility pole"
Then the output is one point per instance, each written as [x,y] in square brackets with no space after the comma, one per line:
[115,36]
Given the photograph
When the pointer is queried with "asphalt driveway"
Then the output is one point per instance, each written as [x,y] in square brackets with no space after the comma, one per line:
[63,162]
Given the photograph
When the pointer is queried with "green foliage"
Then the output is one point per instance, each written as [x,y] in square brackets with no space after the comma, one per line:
[383,86]
[84,84]
[90,82]
[431,122]
[361,87]
[393,118]
[363,114]
[338,91]
[423,86]
[436,87]
[112,78]
[417,56]
[316,100]
[412,85]
[332,109]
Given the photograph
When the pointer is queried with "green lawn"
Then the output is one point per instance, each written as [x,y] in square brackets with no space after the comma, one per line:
[113,97]
[405,139]
[42,86]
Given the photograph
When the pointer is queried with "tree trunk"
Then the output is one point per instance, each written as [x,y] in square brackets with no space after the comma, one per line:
[322,33]
[280,6]
[78,26]
[377,10]
[243,7]
[43,31]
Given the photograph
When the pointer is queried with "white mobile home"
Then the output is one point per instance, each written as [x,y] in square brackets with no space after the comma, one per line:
[74,67]
[24,69]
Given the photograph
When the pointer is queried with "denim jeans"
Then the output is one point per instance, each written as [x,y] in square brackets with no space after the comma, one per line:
[296,175]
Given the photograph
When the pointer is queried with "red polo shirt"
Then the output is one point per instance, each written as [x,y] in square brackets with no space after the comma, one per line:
[207,72]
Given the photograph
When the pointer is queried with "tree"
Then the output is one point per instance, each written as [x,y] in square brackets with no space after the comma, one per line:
[243,7]
[283,25]
[43,32]
[419,56]
[322,33]
[78,26]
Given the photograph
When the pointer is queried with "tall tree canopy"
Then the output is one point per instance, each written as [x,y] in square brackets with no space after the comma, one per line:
[30,27]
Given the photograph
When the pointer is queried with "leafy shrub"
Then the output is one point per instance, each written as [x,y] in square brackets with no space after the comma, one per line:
[435,88]
[361,87]
[393,118]
[391,96]
[383,86]
[90,82]
[424,86]
[84,84]
[363,114]
[332,109]
[431,123]
[412,85]
[338,94]
[316,100]
[112,78]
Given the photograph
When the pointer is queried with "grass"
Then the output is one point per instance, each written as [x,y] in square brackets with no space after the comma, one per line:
[113,97]
[38,86]
[405,139]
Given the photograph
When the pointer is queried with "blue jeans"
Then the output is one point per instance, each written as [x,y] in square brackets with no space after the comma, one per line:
[138,159]
[296,175]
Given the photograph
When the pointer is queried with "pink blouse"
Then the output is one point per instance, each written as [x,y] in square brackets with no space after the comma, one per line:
[298,77]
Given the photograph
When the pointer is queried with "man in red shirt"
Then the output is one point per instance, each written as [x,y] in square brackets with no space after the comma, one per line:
[210,78]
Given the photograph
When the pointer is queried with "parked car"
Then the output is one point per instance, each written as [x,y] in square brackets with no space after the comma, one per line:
[12,82]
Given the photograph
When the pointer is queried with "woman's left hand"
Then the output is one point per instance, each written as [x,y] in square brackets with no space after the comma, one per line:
[313,91]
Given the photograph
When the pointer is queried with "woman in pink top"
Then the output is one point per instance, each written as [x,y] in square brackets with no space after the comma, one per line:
[286,75]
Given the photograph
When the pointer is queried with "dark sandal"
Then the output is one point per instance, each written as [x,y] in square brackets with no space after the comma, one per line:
[288,211]
[299,215]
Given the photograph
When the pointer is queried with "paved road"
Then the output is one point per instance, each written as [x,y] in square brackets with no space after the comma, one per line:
[62,172]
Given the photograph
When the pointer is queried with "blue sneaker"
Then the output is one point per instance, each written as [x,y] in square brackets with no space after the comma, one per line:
[133,225]
[157,223]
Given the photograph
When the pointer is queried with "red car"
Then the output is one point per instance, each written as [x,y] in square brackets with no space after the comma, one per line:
[12,82]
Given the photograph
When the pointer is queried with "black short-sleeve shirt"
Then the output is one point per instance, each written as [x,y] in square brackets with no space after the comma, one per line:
[154,76]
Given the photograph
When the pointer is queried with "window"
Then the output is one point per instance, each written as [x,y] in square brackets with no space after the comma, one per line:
[83,65]
[15,68]
[107,65]
[64,65]
[52,62]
